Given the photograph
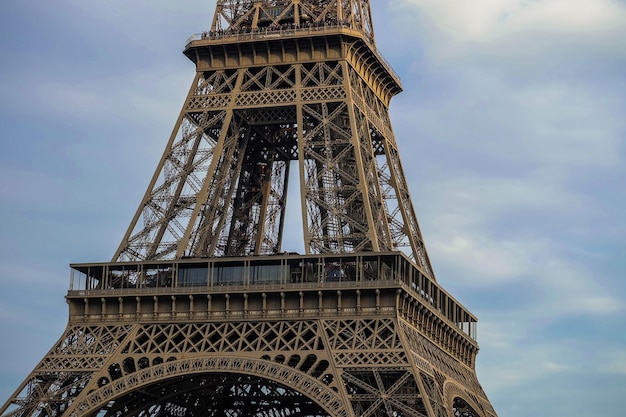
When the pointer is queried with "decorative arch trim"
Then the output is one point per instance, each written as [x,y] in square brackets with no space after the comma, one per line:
[451,391]
[324,396]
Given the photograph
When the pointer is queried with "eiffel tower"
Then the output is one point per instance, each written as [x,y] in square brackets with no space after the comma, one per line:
[202,313]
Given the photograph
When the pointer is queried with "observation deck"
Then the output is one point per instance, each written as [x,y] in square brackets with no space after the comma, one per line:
[289,43]
[284,285]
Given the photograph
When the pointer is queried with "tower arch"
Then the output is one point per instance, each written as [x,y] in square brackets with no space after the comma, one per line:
[460,403]
[189,380]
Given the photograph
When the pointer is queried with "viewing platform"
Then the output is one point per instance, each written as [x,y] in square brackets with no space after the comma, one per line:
[291,31]
[284,284]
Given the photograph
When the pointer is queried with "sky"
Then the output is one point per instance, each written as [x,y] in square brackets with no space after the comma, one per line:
[511,129]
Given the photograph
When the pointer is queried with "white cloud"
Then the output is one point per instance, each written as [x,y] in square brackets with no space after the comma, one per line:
[532,361]
[570,289]
[614,360]
[562,287]
[493,231]
[130,98]
[485,196]
[489,20]
[565,16]
[492,262]
[535,123]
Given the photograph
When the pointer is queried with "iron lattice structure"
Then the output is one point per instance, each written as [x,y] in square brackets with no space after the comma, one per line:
[201,313]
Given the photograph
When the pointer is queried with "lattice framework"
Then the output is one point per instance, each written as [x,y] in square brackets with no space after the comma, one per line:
[316,363]
[277,81]
[221,188]
[254,15]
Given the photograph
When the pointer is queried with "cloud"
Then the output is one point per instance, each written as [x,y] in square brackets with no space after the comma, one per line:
[512,120]
[491,263]
[531,361]
[495,121]
[493,231]
[512,41]
[126,97]
[501,20]
[615,360]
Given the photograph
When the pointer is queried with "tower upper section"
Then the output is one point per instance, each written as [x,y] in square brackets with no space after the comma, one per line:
[236,15]
[293,31]
[276,82]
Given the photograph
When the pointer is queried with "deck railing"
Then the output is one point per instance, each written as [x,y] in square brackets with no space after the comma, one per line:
[267,273]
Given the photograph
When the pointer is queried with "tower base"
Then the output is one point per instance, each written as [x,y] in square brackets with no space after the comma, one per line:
[342,336]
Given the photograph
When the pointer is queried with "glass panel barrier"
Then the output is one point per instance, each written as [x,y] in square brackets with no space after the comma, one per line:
[338,270]
[193,275]
[155,276]
[122,276]
[295,271]
[265,274]
[311,271]
[78,279]
[274,270]
[229,275]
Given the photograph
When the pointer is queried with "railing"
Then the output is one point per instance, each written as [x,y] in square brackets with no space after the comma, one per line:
[267,273]
[250,271]
[277,31]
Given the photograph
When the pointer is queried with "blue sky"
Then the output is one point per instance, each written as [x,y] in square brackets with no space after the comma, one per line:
[511,130]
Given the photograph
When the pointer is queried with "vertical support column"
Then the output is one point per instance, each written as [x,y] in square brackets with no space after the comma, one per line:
[356,141]
[124,245]
[202,226]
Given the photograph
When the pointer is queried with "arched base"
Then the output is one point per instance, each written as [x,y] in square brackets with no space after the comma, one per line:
[461,402]
[213,394]
[207,387]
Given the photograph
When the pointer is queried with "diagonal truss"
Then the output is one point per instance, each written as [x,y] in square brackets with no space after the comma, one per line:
[220,188]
